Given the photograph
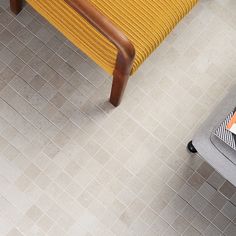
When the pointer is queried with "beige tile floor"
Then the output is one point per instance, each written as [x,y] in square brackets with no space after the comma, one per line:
[72,165]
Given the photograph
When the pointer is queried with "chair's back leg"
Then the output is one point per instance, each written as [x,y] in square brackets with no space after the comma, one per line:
[16,6]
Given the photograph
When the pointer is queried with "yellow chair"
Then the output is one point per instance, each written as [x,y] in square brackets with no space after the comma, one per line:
[117,34]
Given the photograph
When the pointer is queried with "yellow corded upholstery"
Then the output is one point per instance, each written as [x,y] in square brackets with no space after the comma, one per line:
[145,22]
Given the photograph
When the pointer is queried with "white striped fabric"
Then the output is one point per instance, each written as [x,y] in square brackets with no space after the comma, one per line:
[225,135]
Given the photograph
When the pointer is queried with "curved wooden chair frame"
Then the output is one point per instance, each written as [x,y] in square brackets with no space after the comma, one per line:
[126,51]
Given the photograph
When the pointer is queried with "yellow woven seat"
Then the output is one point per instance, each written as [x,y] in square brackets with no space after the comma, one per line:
[145,22]
[117,34]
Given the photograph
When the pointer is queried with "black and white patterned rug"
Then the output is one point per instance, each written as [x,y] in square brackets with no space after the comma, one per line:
[225,135]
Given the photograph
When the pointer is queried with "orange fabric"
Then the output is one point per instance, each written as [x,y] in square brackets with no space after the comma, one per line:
[145,22]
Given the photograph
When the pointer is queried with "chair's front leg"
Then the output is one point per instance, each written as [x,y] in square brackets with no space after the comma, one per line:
[125,48]
[16,6]
[123,67]
[118,87]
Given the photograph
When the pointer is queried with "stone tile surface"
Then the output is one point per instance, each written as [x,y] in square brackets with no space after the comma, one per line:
[71,164]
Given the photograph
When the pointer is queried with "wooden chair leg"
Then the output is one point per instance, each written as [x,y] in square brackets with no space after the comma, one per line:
[125,48]
[118,87]
[16,6]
